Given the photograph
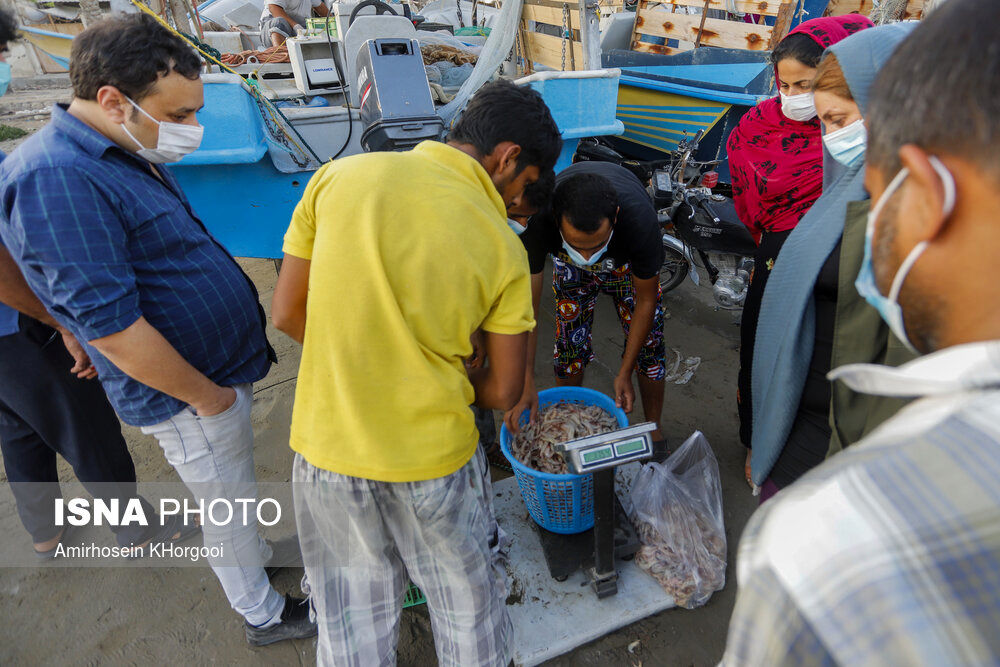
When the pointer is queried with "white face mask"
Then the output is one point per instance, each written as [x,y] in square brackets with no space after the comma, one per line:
[798,107]
[174,140]
[516,226]
[888,306]
[847,145]
[580,260]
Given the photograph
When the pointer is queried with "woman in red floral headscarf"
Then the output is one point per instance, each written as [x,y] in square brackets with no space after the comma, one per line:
[776,161]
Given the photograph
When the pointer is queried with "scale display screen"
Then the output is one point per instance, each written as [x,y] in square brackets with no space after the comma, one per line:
[630,447]
[600,454]
[613,453]
[607,450]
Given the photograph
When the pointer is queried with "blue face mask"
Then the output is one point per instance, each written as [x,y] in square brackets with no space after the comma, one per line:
[847,145]
[888,306]
[4,77]
[516,226]
[578,259]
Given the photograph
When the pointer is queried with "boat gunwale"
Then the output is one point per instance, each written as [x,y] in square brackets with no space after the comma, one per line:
[739,99]
[46,33]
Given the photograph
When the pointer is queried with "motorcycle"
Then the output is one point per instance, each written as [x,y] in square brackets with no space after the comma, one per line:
[699,221]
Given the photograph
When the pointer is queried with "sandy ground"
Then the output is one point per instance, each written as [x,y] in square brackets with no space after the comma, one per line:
[180,616]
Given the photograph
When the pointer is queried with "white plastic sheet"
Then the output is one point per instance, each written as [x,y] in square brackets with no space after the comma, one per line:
[495,51]
[446,11]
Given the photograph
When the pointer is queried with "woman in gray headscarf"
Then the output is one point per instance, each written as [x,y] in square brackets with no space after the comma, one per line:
[810,312]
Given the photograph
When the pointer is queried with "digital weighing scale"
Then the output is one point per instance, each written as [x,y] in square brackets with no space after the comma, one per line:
[594,551]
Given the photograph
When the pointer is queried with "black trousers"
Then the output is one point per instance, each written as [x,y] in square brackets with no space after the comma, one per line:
[767,253]
[45,410]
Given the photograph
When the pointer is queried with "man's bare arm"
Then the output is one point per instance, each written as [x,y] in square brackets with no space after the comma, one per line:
[142,353]
[536,300]
[641,325]
[15,292]
[288,307]
[529,394]
[498,385]
[278,12]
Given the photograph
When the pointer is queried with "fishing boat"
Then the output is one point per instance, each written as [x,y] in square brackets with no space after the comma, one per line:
[697,65]
[55,45]
[244,181]
[681,72]
[663,99]
[268,127]
[264,137]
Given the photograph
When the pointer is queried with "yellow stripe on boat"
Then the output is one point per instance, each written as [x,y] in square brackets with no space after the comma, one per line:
[659,119]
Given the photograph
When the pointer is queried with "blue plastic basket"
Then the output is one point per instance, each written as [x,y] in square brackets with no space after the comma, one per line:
[560,503]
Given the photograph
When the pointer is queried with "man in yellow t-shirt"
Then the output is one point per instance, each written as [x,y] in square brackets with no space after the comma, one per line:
[392,261]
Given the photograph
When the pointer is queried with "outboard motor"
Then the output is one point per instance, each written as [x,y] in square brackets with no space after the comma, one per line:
[395,98]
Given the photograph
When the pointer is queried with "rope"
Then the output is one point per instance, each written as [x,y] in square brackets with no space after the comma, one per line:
[197,19]
[201,46]
[263,104]
[274,54]
[277,55]
[802,13]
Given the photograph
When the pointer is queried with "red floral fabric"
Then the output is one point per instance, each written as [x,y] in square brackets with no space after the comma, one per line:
[776,163]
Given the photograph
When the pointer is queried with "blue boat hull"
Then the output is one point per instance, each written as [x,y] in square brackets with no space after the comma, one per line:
[665,99]
[247,203]
[247,207]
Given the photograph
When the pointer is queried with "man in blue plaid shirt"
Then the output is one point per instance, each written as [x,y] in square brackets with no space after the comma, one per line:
[889,553]
[109,243]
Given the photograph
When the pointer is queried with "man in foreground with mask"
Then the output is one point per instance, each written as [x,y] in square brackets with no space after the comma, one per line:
[603,236]
[51,403]
[109,243]
[889,553]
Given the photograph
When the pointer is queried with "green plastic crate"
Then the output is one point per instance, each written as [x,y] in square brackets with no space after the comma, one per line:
[413,597]
[319,24]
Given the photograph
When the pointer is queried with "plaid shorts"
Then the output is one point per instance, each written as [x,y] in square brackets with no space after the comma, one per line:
[576,293]
[362,539]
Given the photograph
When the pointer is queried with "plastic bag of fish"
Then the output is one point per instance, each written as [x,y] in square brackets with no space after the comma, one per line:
[534,445]
[676,508]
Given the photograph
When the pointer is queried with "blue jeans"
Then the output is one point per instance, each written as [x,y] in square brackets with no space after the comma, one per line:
[214,458]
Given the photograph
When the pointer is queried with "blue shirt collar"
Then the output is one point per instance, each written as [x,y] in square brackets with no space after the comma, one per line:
[89,139]
[96,144]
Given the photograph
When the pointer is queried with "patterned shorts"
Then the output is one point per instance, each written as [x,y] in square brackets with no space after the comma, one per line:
[576,293]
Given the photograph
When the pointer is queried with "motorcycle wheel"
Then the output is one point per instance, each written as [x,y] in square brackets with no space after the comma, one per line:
[674,269]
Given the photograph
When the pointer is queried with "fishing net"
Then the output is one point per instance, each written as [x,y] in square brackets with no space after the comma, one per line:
[891,11]
[496,50]
[887,11]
